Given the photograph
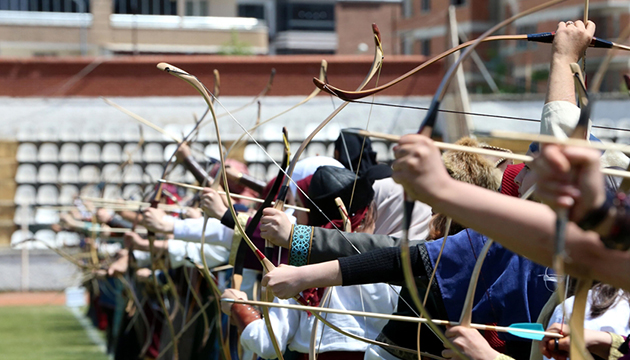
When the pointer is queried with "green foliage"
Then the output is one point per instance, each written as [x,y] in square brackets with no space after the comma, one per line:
[44,332]
[235,46]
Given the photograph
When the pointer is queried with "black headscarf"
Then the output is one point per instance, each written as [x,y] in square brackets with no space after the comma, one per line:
[350,152]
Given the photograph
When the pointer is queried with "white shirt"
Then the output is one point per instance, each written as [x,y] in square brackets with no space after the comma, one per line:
[190,230]
[293,328]
[615,320]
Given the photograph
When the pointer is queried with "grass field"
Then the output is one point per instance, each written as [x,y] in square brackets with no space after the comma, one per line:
[44,332]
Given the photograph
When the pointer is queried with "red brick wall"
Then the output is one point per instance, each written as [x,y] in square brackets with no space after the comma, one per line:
[240,76]
[354,21]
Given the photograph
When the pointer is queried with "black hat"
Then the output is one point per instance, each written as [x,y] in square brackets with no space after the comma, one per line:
[330,182]
[348,146]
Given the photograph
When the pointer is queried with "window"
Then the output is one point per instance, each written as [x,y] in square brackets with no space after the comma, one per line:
[426,5]
[425,47]
[407,10]
[307,16]
[156,7]
[71,6]
[458,2]
[254,11]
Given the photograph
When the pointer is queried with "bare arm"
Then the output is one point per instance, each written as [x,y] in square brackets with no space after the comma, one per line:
[524,227]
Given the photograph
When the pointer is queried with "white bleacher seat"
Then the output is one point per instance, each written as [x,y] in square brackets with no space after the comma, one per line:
[47,133]
[26,173]
[382,151]
[90,153]
[89,174]
[69,173]
[316,149]
[67,238]
[269,132]
[90,191]
[153,153]
[197,152]
[111,153]
[112,191]
[212,150]
[331,131]
[25,195]
[112,173]
[18,237]
[67,194]
[272,171]
[258,171]
[48,153]
[168,151]
[308,129]
[253,153]
[133,174]
[47,195]
[26,152]
[69,153]
[24,215]
[189,177]
[91,132]
[47,174]
[276,150]
[69,133]
[45,236]
[132,192]
[46,216]
[132,150]
[154,172]
[330,150]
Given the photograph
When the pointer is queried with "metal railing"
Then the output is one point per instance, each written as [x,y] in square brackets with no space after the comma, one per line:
[64,6]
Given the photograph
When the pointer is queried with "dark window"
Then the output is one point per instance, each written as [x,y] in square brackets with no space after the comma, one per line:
[307,16]
[157,7]
[425,47]
[458,2]
[72,6]
[426,5]
[254,11]
[407,10]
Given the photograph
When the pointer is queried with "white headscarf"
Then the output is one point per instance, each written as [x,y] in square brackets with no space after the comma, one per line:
[307,167]
[389,200]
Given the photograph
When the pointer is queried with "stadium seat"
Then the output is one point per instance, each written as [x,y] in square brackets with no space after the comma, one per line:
[24,215]
[69,173]
[168,151]
[382,151]
[25,195]
[18,237]
[47,133]
[153,153]
[259,171]
[26,174]
[90,153]
[48,153]
[132,150]
[46,236]
[112,192]
[46,216]
[276,151]
[112,173]
[26,152]
[253,153]
[154,172]
[90,191]
[69,153]
[47,195]
[67,238]
[89,174]
[132,192]
[47,174]
[111,153]
[133,174]
[67,194]
[316,149]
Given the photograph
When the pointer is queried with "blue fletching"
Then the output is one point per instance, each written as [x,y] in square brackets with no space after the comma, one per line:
[514,330]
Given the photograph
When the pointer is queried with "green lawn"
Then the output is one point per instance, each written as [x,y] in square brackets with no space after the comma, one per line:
[44,332]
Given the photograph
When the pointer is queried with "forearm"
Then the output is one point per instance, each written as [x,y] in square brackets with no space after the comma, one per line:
[561,84]
[322,275]
[528,228]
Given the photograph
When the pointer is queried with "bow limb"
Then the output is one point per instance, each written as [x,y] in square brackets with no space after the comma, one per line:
[578,349]
[322,76]
[195,83]
[376,65]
